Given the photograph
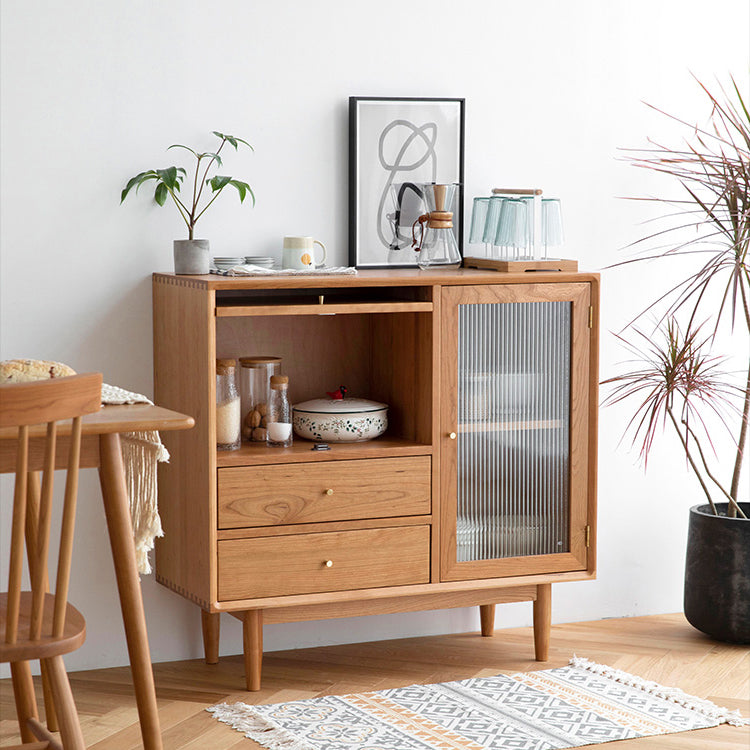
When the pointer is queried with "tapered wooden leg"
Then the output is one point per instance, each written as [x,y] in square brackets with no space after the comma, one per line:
[210,624]
[252,641]
[67,715]
[49,703]
[23,692]
[487,619]
[33,494]
[542,620]
[117,511]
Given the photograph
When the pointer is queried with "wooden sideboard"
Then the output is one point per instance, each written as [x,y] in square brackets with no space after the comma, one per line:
[482,490]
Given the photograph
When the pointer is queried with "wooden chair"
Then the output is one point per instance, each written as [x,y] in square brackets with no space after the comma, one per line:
[37,624]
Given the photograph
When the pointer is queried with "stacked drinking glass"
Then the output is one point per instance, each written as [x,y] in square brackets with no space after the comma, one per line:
[507,226]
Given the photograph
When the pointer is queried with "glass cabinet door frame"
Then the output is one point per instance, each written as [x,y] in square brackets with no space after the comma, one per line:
[581,393]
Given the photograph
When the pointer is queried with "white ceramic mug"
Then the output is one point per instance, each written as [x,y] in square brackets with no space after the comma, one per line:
[299,253]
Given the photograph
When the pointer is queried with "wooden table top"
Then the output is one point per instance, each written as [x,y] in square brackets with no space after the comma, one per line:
[116,418]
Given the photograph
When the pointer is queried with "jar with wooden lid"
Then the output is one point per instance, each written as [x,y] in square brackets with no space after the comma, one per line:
[227,406]
[279,413]
[255,376]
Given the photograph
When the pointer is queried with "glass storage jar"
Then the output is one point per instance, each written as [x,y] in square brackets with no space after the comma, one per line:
[227,406]
[279,413]
[255,377]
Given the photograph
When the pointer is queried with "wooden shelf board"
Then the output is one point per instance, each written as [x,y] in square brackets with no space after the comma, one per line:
[313,308]
[254,454]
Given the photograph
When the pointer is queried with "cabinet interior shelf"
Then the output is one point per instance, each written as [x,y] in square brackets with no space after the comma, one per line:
[510,426]
[258,454]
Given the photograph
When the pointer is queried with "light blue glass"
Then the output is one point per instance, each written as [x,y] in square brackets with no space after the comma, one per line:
[478,220]
[493,216]
[552,226]
[512,239]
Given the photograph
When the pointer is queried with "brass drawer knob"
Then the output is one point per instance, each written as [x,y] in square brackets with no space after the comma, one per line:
[452,435]
[328,563]
[329,491]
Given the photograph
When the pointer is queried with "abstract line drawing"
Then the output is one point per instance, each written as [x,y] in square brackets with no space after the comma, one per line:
[388,225]
[396,146]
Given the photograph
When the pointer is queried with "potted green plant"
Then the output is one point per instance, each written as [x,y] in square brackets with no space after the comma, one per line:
[191,256]
[680,378]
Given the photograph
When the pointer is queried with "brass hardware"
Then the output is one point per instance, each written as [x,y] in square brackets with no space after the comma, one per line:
[329,492]
[591,316]
[321,299]
[588,536]
[328,563]
[452,435]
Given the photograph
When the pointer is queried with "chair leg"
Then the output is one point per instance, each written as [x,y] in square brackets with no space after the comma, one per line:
[67,715]
[50,717]
[210,624]
[33,495]
[23,692]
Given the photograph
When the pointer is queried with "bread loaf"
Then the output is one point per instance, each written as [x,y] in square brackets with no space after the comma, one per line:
[26,370]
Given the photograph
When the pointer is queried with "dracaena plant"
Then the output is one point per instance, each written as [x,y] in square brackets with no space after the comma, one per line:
[169,182]
[677,378]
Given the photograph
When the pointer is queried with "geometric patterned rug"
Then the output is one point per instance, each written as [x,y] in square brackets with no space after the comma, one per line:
[581,704]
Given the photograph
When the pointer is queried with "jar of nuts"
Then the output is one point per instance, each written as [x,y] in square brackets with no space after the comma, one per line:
[255,377]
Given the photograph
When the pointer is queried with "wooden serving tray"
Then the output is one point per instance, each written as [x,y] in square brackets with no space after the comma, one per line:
[519,266]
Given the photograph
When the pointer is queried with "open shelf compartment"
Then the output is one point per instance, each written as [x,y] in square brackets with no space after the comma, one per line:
[383,357]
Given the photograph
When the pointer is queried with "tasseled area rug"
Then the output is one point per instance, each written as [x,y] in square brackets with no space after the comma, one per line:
[581,704]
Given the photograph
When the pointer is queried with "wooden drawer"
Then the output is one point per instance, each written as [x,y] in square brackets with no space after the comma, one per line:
[360,559]
[326,491]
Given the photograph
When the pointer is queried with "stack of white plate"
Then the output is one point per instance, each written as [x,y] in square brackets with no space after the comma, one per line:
[259,260]
[224,262]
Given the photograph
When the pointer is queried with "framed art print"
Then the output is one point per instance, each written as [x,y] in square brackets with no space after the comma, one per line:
[396,145]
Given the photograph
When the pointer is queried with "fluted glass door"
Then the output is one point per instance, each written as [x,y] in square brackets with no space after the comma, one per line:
[511,427]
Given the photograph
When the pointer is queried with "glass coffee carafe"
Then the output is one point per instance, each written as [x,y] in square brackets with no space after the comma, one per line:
[437,246]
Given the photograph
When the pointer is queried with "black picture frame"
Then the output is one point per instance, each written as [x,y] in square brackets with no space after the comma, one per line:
[428,134]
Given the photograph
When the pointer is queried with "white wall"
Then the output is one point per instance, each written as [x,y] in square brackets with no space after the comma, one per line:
[93,92]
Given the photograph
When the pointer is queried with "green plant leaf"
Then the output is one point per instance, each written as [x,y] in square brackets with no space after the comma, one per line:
[161,193]
[187,148]
[214,156]
[137,181]
[243,189]
[132,182]
[233,139]
[171,177]
[245,142]
[219,182]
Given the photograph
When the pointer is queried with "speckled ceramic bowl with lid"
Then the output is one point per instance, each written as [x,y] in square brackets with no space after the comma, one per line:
[342,420]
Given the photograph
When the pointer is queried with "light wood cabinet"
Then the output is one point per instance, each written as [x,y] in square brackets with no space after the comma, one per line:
[482,490]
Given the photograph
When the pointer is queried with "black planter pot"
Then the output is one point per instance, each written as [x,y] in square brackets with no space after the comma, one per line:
[717,573]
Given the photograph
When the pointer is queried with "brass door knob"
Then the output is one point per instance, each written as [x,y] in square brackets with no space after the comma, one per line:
[329,492]
[452,435]
[328,563]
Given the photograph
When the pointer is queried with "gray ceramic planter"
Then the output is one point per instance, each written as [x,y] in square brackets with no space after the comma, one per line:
[717,574]
[191,256]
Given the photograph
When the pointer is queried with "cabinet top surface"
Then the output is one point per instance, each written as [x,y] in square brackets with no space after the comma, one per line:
[368,277]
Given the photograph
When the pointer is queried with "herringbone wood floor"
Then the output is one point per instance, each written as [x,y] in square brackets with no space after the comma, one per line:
[663,648]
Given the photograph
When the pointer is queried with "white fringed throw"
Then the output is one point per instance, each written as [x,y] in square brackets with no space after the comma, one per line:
[141,451]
